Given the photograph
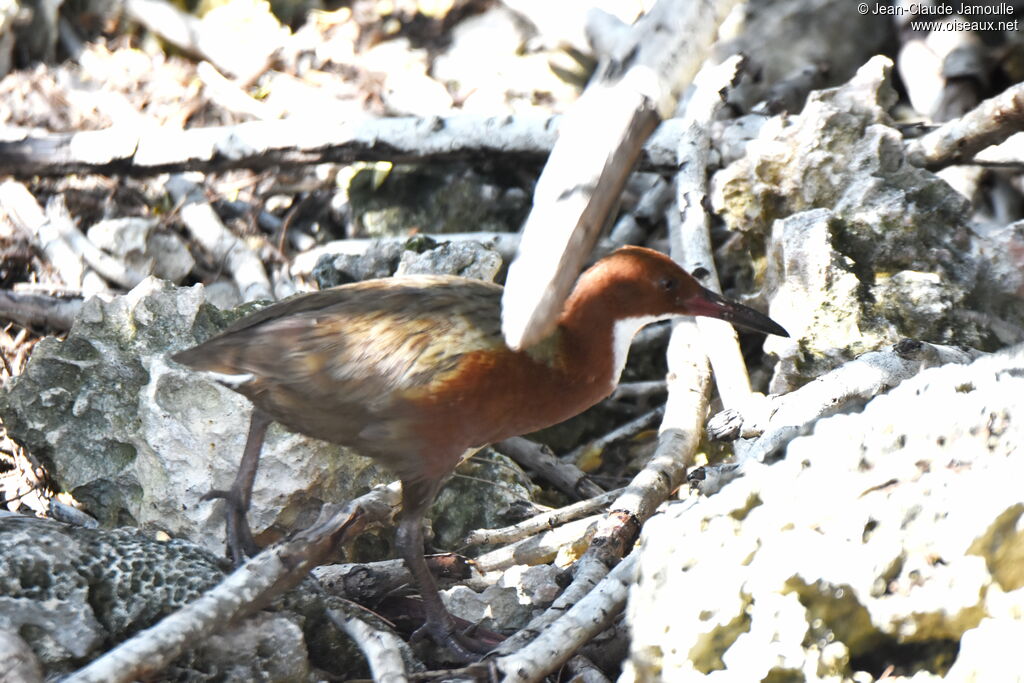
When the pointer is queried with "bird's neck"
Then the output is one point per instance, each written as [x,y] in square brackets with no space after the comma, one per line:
[595,339]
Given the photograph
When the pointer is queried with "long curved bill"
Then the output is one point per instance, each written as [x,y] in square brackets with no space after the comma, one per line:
[712,305]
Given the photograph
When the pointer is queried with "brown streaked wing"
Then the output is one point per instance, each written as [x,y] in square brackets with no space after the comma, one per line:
[364,341]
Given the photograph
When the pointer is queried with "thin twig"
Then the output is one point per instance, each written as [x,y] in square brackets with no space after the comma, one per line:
[584,620]
[959,140]
[564,475]
[52,313]
[541,522]
[625,431]
[541,548]
[638,390]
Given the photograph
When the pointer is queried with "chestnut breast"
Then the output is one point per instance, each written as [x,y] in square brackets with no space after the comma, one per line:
[412,371]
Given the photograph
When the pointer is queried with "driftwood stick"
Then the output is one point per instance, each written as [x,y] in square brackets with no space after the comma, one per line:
[28,216]
[107,266]
[959,140]
[129,150]
[633,227]
[689,228]
[381,647]
[599,142]
[287,143]
[44,311]
[542,522]
[539,549]
[584,620]
[564,475]
[638,390]
[365,583]
[625,431]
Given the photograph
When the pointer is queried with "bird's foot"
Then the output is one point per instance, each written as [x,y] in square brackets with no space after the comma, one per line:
[482,639]
[465,644]
[240,542]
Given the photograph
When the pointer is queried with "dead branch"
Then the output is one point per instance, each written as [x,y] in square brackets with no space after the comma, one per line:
[365,583]
[541,522]
[691,240]
[28,216]
[563,475]
[959,140]
[584,620]
[381,647]
[638,390]
[107,266]
[632,227]
[539,549]
[288,143]
[598,147]
[42,311]
[625,431]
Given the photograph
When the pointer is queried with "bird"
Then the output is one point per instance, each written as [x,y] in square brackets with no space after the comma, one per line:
[413,371]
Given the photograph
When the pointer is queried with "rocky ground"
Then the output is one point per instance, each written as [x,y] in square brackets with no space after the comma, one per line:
[867,523]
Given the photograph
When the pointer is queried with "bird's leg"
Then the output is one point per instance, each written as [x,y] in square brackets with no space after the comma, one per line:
[240,543]
[416,497]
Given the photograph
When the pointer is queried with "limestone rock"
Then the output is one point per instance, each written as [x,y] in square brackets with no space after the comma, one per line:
[139,439]
[74,593]
[143,247]
[889,537]
[862,248]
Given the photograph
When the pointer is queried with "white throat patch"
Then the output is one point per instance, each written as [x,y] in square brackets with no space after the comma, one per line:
[622,336]
[231,381]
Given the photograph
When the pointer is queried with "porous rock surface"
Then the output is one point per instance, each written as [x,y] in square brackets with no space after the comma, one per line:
[891,537]
[73,593]
[82,588]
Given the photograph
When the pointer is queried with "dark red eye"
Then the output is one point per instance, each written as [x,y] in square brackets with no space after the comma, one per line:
[668,284]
